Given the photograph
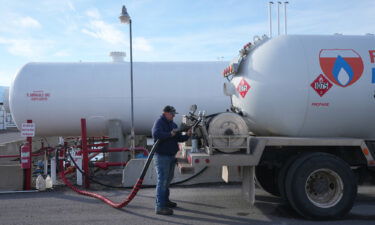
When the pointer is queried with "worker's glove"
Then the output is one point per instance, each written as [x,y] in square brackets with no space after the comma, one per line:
[174,132]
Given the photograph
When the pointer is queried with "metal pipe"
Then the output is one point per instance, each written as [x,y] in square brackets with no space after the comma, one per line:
[85,153]
[42,151]
[33,154]
[105,165]
[132,133]
[79,175]
[93,155]
[285,25]
[106,150]
[115,150]
[97,145]
[27,172]
[9,156]
[53,170]
[270,17]
[61,159]
[92,145]
[127,149]
[278,18]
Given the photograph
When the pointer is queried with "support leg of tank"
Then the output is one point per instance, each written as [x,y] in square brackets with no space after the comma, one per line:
[115,131]
[248,183]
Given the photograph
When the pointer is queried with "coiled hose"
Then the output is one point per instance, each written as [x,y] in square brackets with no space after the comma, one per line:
[132,194]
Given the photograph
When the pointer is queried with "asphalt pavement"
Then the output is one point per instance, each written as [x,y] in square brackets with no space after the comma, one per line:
[199,204]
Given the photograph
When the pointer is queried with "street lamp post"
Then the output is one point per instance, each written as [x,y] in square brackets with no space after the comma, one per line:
[125,18]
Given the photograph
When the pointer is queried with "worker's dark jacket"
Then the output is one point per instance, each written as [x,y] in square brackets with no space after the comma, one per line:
[168,145]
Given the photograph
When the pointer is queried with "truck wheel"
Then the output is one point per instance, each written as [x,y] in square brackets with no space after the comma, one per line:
[282,176]
[266,178]
[321,186]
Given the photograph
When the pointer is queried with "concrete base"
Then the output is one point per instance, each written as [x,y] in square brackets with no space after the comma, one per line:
[11,174]
[11,177]
[212,174]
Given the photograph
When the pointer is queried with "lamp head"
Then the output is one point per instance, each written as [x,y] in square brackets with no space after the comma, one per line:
[124,17]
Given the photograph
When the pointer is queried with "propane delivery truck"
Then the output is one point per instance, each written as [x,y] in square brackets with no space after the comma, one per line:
[300,121]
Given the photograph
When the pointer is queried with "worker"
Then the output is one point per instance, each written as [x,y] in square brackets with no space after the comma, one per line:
[165,130]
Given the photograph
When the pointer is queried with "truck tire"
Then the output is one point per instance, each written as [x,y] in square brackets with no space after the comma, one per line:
[321,186]
[266,178]
[282,176]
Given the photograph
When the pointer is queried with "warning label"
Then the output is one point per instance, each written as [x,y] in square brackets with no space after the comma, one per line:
[320,104]
[243,87]
[321,85]
[38,95]
[28,130]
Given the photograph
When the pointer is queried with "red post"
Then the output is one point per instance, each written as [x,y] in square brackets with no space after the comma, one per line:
[27,172]
[61,160]
[85,154]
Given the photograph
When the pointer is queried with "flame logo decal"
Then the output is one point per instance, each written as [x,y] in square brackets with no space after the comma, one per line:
[341,66]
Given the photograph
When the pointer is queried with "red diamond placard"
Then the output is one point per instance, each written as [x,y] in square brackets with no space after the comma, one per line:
[321,85]
[243,87]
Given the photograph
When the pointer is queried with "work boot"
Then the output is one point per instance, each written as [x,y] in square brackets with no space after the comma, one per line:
[164,211]
[171,204]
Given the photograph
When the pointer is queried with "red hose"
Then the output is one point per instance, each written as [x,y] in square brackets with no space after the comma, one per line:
[119,205]
[132,194]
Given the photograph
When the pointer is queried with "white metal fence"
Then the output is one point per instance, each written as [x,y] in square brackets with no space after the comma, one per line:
[2,119]
[6,120]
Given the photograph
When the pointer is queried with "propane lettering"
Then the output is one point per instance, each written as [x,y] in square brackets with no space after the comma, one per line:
[372,55]
[320,104]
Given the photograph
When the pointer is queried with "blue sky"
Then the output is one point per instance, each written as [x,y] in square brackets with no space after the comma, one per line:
[163,30]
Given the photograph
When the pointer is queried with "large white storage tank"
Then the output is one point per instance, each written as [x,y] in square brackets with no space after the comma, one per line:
[56,95]
[308,85]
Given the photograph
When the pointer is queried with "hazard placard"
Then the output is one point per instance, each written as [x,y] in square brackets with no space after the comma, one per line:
[243,87]
[321,85]
[28,130]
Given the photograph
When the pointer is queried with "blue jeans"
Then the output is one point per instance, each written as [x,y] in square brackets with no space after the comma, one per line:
[164,165]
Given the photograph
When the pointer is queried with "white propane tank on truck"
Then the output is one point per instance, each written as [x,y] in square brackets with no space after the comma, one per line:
[55,96]
[301,121]
[308,86]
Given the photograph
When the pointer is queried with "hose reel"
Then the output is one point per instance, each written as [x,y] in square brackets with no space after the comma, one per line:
[227,132]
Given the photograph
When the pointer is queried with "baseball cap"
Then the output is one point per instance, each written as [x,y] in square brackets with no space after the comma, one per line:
[170,109]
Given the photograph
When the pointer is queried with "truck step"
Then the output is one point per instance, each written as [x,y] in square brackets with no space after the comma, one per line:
[184,167]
